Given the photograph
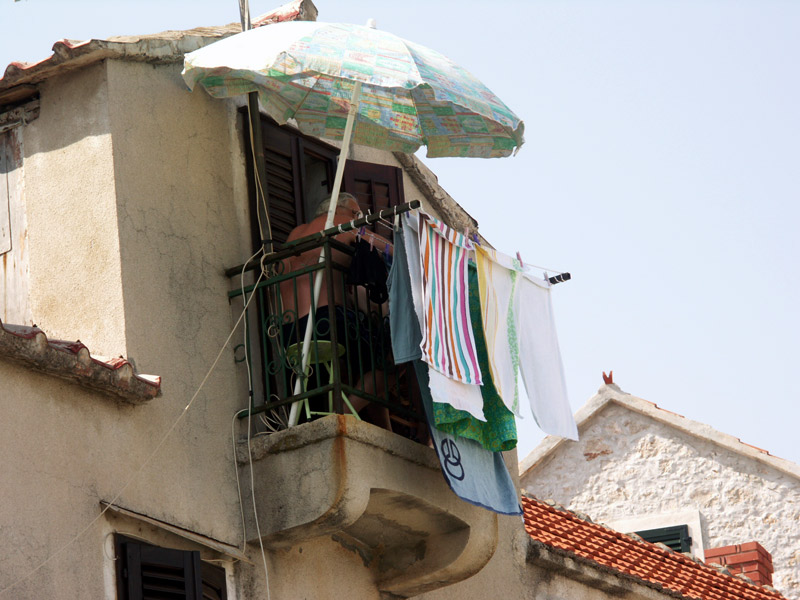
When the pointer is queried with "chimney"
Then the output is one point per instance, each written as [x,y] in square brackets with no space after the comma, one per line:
[750,559]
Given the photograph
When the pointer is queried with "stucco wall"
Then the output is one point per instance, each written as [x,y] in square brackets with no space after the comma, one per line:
[132,186]
[136,203]
[63,449]
[628,465]
[75,275]
[175,169]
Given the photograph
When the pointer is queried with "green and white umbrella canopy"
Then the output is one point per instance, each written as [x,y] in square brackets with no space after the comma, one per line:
[410,95]
[348,82]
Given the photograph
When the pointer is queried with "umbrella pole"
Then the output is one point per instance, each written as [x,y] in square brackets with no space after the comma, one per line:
[294,414]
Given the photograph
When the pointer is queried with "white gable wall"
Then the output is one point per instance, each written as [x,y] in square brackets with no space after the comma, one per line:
[627,464]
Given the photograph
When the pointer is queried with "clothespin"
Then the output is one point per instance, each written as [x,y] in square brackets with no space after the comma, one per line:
[466,232]
[519,258]
[361,231]
[476,239]
[396,219]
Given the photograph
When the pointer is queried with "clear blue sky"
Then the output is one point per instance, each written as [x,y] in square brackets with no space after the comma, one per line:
[662,169]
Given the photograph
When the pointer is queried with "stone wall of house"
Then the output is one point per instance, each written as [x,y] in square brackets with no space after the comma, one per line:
[629,465]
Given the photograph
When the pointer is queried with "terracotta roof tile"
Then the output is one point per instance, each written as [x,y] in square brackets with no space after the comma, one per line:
[71,360]
[654,564]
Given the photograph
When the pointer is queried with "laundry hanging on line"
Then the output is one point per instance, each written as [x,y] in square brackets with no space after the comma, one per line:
[520,335]
[448,343]
[498,430]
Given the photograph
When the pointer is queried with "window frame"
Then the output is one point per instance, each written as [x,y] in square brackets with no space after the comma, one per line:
[675,537]
[130,553]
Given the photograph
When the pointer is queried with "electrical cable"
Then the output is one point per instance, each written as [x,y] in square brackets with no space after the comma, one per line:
[147,460]
[233,421]
[250,430]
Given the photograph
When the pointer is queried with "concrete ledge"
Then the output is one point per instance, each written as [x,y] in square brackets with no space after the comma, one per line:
[376,494]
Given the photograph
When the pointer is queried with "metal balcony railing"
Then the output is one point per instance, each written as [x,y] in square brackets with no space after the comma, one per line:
[351,368]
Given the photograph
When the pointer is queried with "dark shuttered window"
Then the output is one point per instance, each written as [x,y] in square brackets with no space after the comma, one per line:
[375,186]
[146,572]
[676,537]
[300,172]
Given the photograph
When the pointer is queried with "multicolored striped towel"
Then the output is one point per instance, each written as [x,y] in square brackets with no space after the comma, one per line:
[448,344]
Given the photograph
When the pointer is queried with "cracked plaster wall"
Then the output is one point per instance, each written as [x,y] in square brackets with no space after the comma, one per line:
[135,191]
[176,166]
[627,464]
[75,277]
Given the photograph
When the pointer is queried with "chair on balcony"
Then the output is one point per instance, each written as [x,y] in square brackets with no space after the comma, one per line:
[321,353]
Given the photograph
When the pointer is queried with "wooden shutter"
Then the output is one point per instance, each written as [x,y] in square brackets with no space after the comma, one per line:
[283,181]
[375,187]
[286,154]
[677,537]
[148,572]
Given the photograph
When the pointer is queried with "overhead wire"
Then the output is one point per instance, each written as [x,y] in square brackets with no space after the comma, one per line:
[249,419]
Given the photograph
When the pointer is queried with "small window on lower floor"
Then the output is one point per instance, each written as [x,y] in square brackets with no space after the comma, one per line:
[146,572]
[676,538]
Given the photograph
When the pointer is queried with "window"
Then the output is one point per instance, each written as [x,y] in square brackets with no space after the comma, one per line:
[146,572]
[300,172]
[676,537]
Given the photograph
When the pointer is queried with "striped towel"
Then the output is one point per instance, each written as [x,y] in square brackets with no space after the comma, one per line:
[448,344]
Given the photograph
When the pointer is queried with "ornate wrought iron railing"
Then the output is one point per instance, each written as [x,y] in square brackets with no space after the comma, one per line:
[351,368]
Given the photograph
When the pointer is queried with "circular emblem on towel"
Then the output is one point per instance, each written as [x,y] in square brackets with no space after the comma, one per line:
[452,459]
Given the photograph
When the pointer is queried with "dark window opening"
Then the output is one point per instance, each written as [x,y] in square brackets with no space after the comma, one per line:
[676,538]
[147,572]
[375,187]
[299,174]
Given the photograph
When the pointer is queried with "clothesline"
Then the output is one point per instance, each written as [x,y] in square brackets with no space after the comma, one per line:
[468,329]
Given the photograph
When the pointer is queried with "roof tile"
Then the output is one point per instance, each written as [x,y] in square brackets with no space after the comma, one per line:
[72,360]
[653,563]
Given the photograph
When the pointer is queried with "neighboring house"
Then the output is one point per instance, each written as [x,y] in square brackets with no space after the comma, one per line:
[640,468]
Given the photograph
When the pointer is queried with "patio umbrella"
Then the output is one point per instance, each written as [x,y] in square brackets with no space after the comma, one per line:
[355,83]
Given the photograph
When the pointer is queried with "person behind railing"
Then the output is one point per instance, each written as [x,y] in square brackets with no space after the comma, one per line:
[296,296]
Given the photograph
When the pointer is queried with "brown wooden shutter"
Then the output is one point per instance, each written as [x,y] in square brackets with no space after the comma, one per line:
[283,181]
[287,154]
[375,187]
[148,572]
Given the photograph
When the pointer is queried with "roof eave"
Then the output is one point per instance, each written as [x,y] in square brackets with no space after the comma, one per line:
[160,48]
[611,393]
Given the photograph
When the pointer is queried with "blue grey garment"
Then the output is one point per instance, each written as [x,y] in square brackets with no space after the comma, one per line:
[475,474]
[403,322]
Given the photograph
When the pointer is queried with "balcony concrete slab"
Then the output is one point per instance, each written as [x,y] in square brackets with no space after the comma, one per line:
[375,493]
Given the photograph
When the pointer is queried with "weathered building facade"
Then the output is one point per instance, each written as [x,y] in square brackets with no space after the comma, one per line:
[127,200]
[639,467]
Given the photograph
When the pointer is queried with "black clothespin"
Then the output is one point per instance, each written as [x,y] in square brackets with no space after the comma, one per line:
[560,278]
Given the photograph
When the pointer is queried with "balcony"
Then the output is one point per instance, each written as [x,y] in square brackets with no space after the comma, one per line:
[349,364]
[372,487]
[375,493]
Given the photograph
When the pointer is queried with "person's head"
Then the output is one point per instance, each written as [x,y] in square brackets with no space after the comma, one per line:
[346,202]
